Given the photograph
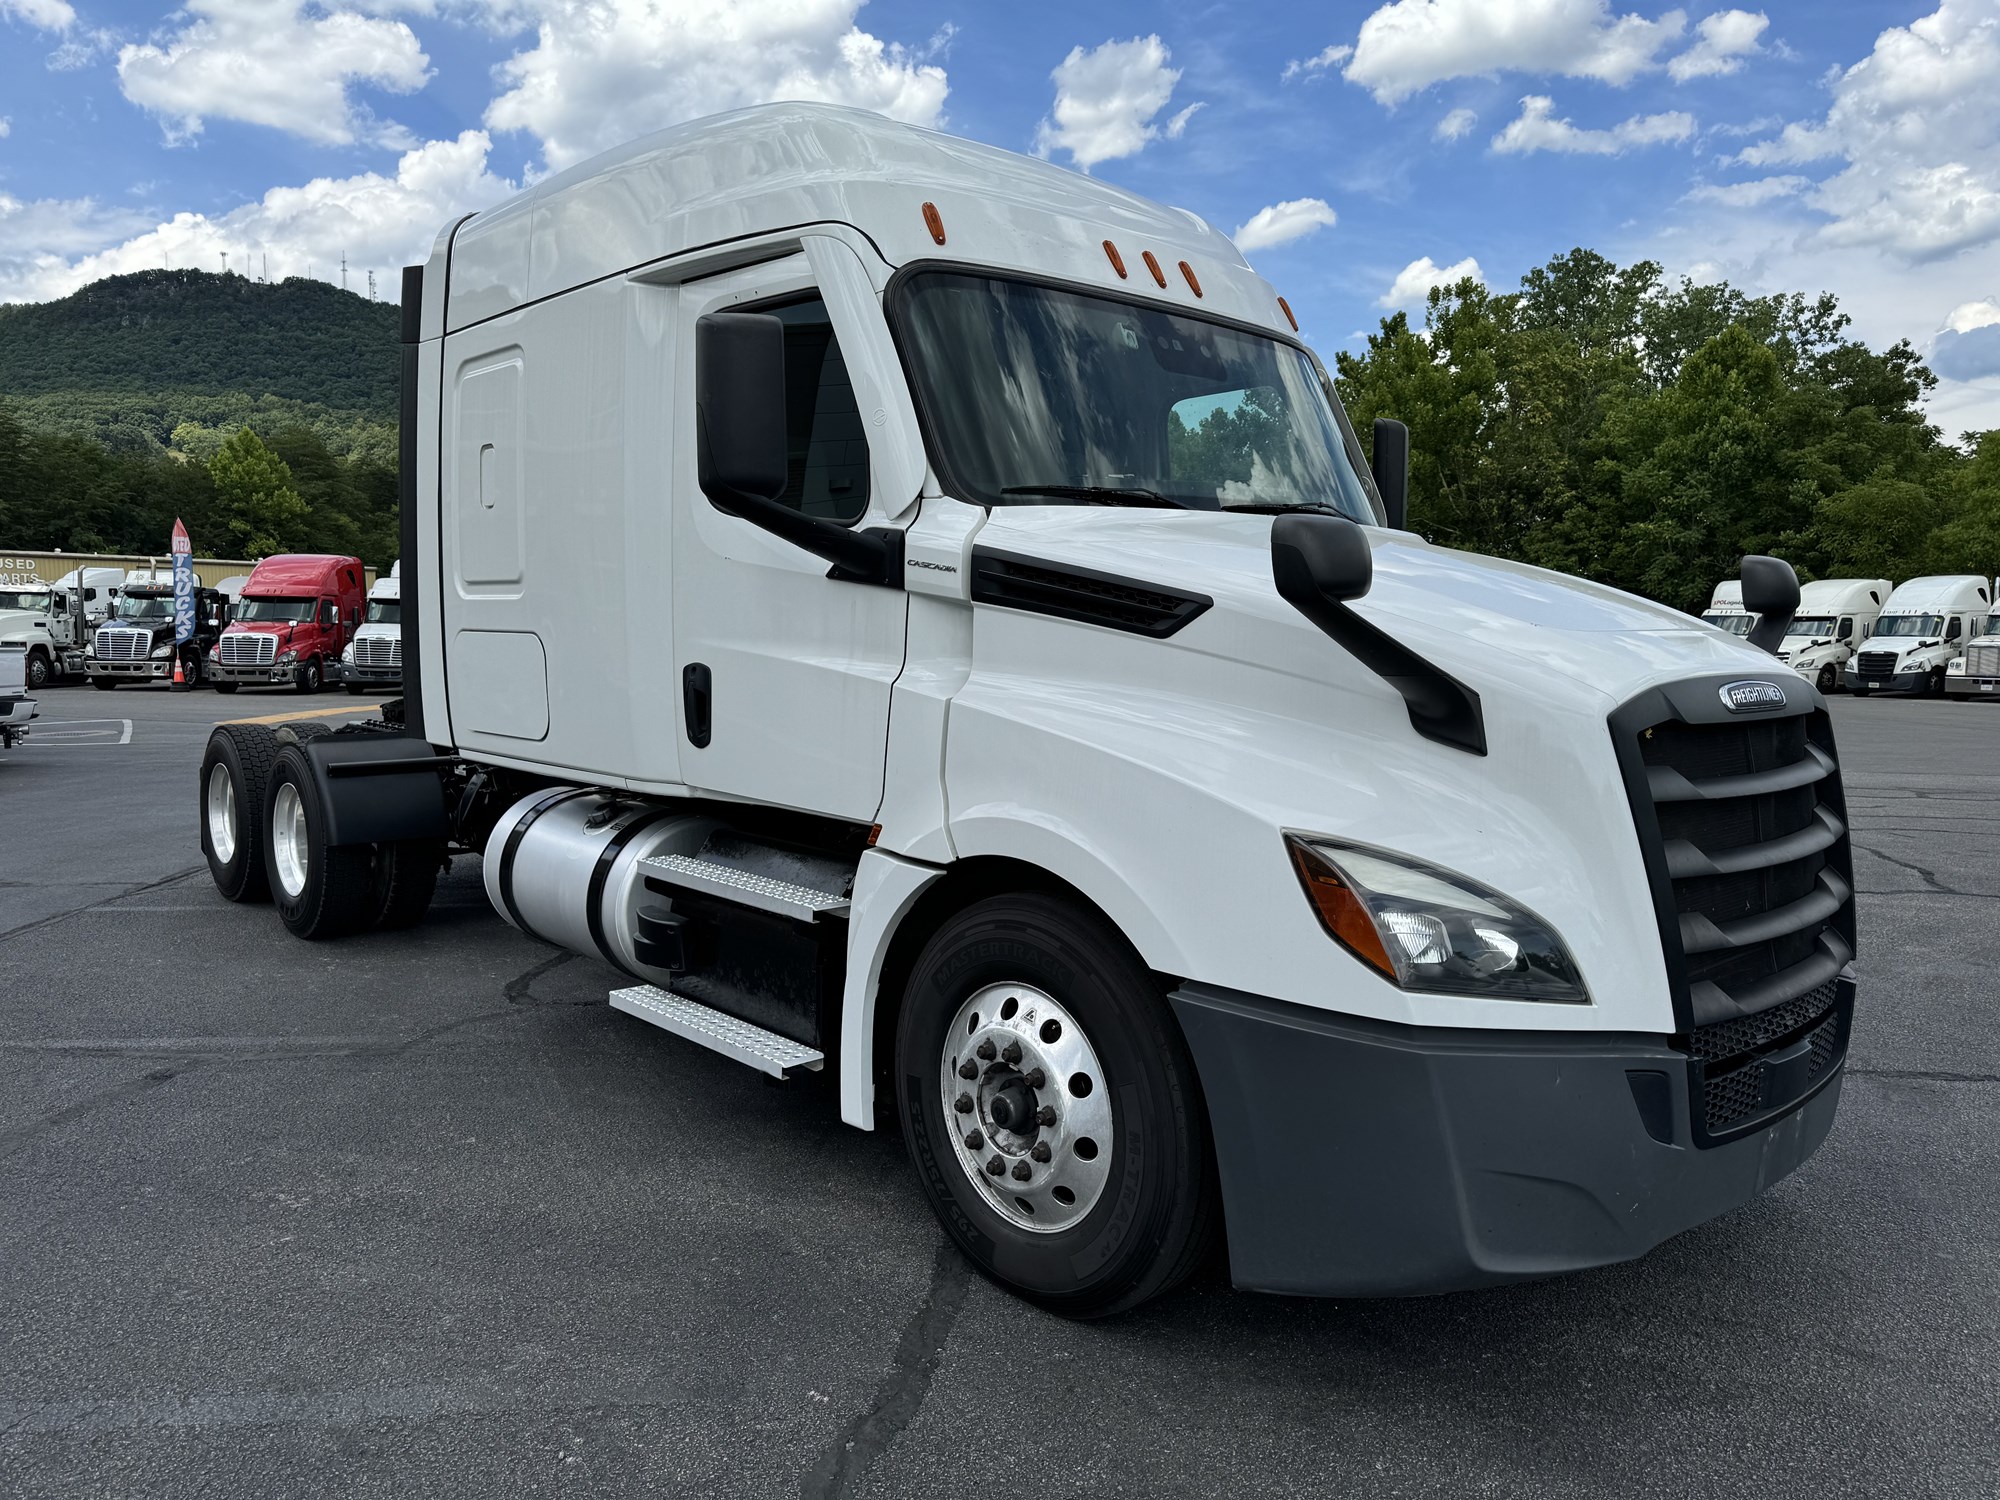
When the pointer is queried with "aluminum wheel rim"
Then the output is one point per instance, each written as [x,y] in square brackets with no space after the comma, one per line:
[288,840]
[221,813]
[1052,1165]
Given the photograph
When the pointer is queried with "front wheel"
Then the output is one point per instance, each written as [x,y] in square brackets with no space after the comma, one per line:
[227,687]
[104,684]
[308,680]
[1934,687]
[1052,1109]
[38,670]
[1828,680]
[1862,692]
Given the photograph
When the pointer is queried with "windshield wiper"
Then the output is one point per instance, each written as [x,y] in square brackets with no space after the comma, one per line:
[1279,508]
[1098,494]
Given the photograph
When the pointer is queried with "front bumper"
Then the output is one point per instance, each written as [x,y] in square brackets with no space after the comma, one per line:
[1918,681]
[129,671]
[343,671]
[1361,1158]
[217,672]
[1961,686]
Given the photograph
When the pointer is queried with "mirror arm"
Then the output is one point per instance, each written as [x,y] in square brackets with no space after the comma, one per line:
[872,556]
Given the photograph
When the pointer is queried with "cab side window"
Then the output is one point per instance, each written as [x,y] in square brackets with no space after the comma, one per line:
[826,471]
[326,613]
[1846,629]
[1955,629]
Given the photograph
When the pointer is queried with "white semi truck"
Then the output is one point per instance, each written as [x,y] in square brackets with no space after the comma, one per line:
[49,625]
[1925,624]
[374,658]
[1725,608]
[1835,616]
[1975,671]
[920,614]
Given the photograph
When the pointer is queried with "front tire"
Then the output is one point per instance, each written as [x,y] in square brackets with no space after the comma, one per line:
[227,687]
[1828,680]
[235,769]
[39,670]
[1082,1093]
[308,680]
[104,684]
[321,892]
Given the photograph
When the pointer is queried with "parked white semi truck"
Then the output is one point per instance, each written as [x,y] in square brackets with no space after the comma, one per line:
[49,625]
[1923,627]
[1725,608]
[1975,671]
[1835,616]
[918,613]
[374,658]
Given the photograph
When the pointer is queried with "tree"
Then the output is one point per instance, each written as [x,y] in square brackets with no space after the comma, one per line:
[256,506]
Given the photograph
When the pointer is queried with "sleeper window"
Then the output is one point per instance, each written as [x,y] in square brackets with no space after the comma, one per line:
[826,471]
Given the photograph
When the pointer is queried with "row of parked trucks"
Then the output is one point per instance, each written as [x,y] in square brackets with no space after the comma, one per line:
[1929,636]
[298,621]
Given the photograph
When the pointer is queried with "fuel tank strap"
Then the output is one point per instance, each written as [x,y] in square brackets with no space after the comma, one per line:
[628,827]
[519,831]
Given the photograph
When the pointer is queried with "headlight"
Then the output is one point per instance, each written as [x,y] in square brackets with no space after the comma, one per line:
[286,658]
[1957,667]
[1426,929]
[215,652]
[90,649]
[161,653]
[348,654]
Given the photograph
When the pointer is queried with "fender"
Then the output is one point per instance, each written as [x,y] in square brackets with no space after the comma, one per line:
[378,788]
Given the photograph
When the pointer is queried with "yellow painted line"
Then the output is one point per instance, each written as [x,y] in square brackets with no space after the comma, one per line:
[311,713]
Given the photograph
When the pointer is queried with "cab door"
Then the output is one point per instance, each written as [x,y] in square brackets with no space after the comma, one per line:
[784,672]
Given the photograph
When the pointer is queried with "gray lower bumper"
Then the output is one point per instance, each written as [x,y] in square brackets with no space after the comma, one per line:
[1972,687]
[271,676]
[341,671]
[1360,1158]
[1901,682]
[129,671]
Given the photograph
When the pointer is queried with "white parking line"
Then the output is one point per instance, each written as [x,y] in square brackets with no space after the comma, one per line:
[78,732]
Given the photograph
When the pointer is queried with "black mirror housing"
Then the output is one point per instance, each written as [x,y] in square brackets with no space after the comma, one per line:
[739,404]
[1391,468]
[1771,592]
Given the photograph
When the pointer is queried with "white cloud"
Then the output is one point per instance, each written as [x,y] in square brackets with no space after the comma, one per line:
[1725,39]
[81,51]
[1454,125]
[269,62]
[1409,45]
[603,71]
[1283,222]
[378,221]
[1316,65]
[1537,129]
[1968,346]
[43,15]
[1106,100]
[1918,128]
[1750,194]
[6,127]
[1413,284]
[1970,315]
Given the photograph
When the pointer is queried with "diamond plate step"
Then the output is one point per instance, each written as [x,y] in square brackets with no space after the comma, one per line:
[800,902]
[752,1046]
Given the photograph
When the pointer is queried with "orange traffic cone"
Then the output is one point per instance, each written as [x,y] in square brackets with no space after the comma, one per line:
[180,676]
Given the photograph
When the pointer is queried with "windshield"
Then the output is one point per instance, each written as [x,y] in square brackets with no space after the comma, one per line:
[1037,396]
[1910,626]
[294,610]
[34,599]
[385,612]
[1811,625]
[1735,624]
[1992,625]
[134,607]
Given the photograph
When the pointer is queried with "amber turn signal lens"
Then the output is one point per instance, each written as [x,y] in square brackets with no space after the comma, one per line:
[1340,911]
[1193,285]
[1153,266]
[1286,308]
[933,223]
[1117,260]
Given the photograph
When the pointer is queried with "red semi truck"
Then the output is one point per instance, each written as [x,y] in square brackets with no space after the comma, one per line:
[295,615]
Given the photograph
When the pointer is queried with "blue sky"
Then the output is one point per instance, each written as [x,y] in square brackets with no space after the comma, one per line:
[1356,151]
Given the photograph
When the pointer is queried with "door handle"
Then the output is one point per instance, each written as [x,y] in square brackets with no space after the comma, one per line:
[695,702]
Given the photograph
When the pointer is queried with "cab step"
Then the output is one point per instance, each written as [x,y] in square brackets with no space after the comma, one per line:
[753,1046]
[742,887]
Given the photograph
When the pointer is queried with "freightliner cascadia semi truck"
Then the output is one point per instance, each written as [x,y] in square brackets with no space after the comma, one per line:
[920,614]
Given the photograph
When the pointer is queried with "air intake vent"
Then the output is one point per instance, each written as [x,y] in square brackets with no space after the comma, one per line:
[1744,827]
[1072,593]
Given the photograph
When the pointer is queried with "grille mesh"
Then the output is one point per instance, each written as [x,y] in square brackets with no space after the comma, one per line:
[123,645]
[1982,659]
[378,651]
[249,650]
[1876,663]
[1721,1040]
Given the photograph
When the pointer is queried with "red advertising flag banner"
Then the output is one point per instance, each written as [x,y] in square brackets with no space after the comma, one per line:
[181,546]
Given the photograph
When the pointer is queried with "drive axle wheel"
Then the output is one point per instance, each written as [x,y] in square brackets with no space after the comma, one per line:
[234,770]
[321,892]
[1052,1109]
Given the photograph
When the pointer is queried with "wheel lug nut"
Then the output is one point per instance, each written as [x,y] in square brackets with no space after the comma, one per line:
[1040,1151]
[996,1166]
[963,1104]
[1036,1079]
[977,1139]
[1046,1115]
[1011,1054]
[985,1051]
[968,1069]
[1022,1171]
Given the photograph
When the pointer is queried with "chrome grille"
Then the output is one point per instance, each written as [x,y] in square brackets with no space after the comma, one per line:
[249,650]
[123,645]
[1982,659]
[1748,831]
[378,651]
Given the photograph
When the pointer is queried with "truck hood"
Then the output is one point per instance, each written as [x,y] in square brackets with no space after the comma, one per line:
[1482,619]
[262,627]
[19,621]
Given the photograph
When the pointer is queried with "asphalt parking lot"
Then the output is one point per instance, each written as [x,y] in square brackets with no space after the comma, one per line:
[419,1214]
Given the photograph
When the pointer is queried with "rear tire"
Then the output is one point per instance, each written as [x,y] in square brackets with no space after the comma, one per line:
[235,769]
[1145,1210]
[405,878]
[320,892]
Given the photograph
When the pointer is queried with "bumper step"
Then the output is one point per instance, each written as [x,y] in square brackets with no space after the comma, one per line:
[753,1046]
[799,902]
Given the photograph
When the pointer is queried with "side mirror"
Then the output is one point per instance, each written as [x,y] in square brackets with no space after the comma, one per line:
[740,447]
[1318,563]
[1391,467]
[1771,592]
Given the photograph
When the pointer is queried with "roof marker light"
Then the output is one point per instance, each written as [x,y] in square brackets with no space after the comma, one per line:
[1193,285]
[933,223]
[1153,266]
[1117,260]
[1286,308]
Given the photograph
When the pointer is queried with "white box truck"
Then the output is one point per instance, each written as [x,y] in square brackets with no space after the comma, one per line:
[1922,628]
[1835,616]
[374,658]
[918,613]
[1975,671]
